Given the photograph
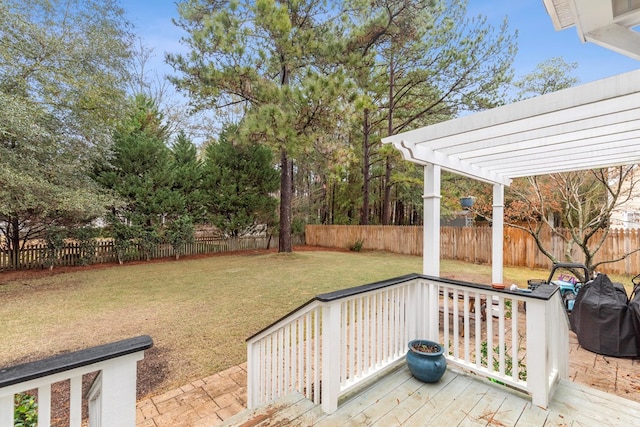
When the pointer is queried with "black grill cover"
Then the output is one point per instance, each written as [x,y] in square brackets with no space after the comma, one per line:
[602,320]
[634,309]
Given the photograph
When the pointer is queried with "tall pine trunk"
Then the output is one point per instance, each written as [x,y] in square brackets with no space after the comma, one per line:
[386,208]
[364,215]
[14,242]
[286,197]
[386,204]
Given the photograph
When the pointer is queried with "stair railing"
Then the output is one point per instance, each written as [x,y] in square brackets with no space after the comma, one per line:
[111,398]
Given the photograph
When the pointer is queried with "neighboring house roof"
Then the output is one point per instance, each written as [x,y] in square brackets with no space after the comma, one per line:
[608,23]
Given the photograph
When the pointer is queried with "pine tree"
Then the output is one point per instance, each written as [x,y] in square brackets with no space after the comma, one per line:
[239,182]
[418,63]
[273,60]
[187,170]
[140,173]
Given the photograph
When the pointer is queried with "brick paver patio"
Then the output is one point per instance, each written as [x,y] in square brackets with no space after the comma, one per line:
[205,402]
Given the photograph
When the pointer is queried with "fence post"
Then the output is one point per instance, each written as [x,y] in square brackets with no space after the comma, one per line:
[547,346]
[330,356]
[254,374]
[114,397]
[537,358]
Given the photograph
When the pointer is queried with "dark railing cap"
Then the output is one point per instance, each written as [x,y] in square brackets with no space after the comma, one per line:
[76,359]
[542,292]
[345,293]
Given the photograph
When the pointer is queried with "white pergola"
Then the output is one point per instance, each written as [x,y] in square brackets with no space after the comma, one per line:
[596,125]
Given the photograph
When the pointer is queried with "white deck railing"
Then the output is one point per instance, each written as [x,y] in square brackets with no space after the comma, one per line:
[111,398]
[337,341]
[523,340]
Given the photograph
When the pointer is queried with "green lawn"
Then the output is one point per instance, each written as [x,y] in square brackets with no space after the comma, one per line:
[198,312]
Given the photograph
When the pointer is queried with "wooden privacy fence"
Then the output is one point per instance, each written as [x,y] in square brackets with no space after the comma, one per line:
[74,254]
[473,244]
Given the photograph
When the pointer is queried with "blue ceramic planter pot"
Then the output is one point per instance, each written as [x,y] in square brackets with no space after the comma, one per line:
[427,366]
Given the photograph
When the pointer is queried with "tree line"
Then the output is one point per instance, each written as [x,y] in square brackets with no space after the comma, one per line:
[78,149]
[292,99]
[302,92]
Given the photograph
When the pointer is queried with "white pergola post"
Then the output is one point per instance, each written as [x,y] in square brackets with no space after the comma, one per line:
[497,234]
[431,237]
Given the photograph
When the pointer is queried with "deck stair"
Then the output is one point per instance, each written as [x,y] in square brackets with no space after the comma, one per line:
[458,399]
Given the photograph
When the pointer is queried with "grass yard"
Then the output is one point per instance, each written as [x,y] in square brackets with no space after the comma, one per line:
[198,311]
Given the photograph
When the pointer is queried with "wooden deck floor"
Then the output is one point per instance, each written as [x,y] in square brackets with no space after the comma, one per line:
[457,400]
[600,391]
[590,397]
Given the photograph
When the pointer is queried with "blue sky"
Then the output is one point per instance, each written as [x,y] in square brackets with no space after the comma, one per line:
[537,38]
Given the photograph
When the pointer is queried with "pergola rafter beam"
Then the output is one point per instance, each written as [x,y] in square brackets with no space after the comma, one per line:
[555,128]
[422,155]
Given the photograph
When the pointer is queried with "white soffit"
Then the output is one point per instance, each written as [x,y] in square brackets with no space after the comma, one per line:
[607,23]
[560,13]
[592,126]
